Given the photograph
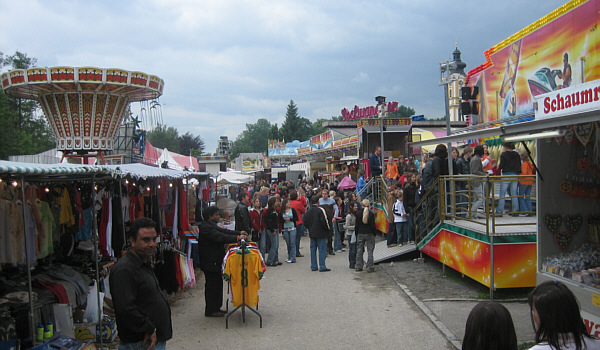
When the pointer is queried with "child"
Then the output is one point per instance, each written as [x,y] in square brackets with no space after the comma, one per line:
[489,327]
[401,220]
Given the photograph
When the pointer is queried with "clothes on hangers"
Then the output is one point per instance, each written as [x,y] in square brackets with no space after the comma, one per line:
[244,279]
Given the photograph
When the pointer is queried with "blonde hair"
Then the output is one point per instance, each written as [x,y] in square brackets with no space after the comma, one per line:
[365,218]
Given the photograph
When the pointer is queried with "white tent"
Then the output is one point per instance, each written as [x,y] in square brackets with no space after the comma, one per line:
[166,157]
[232,177]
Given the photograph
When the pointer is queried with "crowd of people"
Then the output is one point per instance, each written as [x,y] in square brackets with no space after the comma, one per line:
[338,221]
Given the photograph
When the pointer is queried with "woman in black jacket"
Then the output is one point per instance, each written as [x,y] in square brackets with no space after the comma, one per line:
[365,235]
[272,222]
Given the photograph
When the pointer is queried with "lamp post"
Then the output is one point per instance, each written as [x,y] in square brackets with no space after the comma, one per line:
[381,113]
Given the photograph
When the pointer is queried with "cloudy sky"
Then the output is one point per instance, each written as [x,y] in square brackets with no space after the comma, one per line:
[229,62]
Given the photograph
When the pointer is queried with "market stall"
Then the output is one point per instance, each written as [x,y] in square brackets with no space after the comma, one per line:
[58,206]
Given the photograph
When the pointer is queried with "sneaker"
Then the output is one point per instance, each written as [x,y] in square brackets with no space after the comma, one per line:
[324,270]
[279,263]
[399,244]
[392,245]
[299,256]
[289,261]
[523,214]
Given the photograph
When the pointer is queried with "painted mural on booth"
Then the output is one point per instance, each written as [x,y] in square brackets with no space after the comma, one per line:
[558,51]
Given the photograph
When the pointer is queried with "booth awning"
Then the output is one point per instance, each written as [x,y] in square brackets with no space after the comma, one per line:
[19,168]
[143,171]
[518,128]
[136,170]
[233,178]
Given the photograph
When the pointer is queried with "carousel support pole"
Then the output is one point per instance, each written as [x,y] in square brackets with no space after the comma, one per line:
[96,260]
[28,264]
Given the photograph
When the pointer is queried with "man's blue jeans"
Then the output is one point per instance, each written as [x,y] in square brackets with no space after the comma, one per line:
[511,186]
[300,229]
[411,223]
[337,242]
[321,244]
[274,252]
[138,346]
[290,240]
[401,231]
[525,202]
[262,244]
[391,235]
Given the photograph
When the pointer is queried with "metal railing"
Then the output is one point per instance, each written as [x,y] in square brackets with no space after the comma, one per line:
[374,191]
[479,200]
[475,199]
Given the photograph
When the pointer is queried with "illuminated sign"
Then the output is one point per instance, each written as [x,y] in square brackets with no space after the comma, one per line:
[367,112]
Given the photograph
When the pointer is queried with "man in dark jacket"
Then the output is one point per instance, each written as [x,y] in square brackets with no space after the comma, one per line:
[211,241]
[375,162]
[142,311]
[243,222]
[316,222]
[510,164]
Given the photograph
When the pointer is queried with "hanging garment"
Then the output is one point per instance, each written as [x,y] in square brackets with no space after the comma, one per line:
[48,224]
[66,210]
[85,232]
[244,279]
[102,227]
[184,221]
[118,233]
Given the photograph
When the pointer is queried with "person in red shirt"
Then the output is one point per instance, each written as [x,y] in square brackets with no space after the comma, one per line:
[300,207]
[258,225]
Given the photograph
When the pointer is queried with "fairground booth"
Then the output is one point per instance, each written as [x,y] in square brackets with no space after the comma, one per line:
[539,88]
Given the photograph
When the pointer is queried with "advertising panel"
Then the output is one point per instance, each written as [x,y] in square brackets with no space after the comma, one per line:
[556,52]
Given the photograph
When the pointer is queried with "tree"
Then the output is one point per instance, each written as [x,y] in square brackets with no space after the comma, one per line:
[165,137]
[403,112]
[254,139]
[295,127]
[29,132]
[191,145]
[317,127]
[274,133]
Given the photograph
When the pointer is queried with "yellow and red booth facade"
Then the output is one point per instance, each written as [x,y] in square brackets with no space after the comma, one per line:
[470,252]
[537,60]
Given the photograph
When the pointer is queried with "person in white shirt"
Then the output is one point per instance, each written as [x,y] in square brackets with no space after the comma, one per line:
[401,220]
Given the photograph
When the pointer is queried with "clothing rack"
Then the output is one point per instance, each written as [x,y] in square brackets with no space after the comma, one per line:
[243,306]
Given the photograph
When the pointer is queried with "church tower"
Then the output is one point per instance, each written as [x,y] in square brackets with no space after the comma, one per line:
[456,77]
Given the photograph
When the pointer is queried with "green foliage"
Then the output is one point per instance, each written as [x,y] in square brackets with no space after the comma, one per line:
[317,127]
[254,138]
[403,112]
[274,133]
[191,145]
[165,137]
[29,133]
[295,127]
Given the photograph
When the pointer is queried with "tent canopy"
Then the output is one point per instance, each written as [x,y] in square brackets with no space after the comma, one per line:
[347,183]
[232,177]
[74,171]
